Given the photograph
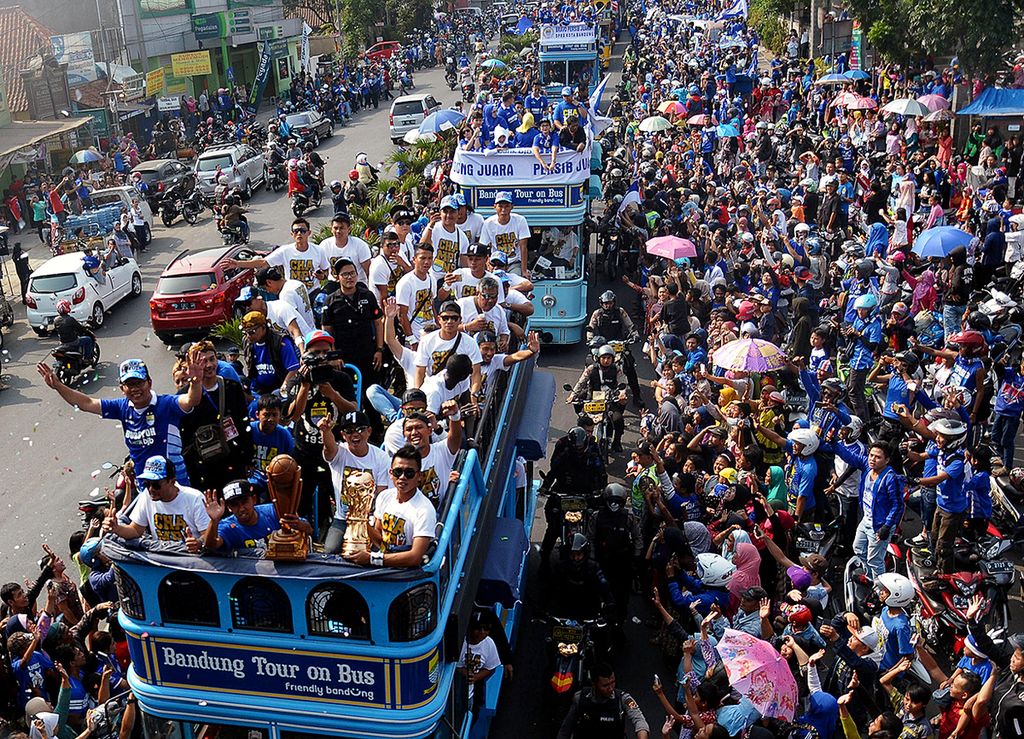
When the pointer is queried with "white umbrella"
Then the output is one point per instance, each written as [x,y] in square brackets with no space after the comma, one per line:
[411,137]
[906,107]
[655,123]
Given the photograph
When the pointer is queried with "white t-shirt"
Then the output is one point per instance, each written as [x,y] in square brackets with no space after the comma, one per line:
[402,522]
[433,350]
[505,238]
[439,393]
[299,265]
[394,437]
[356,249]
[472,227]
[297,296]
[488,370]
[477,657]
[436,466]
[174,521]
[377,462]
[449,246]
[468,285]
[412,292]
[496,320]
[281,314]
[384,274]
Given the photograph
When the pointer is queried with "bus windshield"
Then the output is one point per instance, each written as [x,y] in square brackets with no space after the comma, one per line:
[554,253]
[554,73]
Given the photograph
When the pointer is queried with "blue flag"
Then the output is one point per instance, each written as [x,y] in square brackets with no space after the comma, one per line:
[260,83]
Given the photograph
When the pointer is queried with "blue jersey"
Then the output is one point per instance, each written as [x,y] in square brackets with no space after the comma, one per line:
[897,640]
[952,497]
[979,495]
[1010,398]
[30,676]
[863,356]
[237,536]
[269,377]
[268,446]
[963,373]
[800,475]
[152,431]
[536,105]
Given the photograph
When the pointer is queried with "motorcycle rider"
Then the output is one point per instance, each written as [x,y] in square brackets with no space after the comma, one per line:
[603,374]
[316,163]
[72,334]
[309,179]
[296,182]
[233,218]
[614,324]
[355,192]
[338,196]
[576,468]
[293,151]
[276,159]
[615,531]
[896,593]
[580,590]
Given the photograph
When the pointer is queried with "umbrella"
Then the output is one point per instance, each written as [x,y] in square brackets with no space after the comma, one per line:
[938,116]
[671,247]
[934,102]
[750,355]
[701,119]
[442,120]
[863,103]
[727,131]
[831,79]
[672,107]
[526,51]
[906,107]
[758,672]
[655,123]
[845,99]
[412,136]
[494,63]
[940,241]
[856,74]
[85,156]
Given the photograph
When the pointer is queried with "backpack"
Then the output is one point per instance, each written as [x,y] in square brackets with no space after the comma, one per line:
[612,536]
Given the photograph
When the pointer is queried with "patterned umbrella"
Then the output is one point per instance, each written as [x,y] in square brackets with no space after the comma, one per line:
[85,156]
[939,116]
[758,672]
[442,120]
[671,247]
[700,119]
[845,99]
[750,355]
[934,102]
[655,123]
[832,79]
[672,107]
[863,103]
[906,107]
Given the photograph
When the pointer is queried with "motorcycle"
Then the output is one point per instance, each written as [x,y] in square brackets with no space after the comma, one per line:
[69,363]
[451,79]
[468,92]
[571,645]
[233,235]
[95,508]
[1007,498]
[275,178]
[301,203]
[598,407]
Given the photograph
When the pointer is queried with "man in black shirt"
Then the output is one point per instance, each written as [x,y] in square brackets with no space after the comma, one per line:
[70,331]
[355,320]
[675,313]
[830,214]
[572,136]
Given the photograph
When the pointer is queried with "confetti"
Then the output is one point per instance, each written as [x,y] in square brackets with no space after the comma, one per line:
[95,474]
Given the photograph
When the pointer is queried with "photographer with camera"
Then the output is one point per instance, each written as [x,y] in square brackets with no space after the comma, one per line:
[320,389]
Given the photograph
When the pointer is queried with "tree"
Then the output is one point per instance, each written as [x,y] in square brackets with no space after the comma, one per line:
[321,10]
[978,32]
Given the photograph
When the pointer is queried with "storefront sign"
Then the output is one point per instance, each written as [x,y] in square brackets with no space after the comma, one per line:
[174,85]
[291,674]
[99,124]
[191,64]
[279,49]
[239,21]
[168,104]
[518,166]
[559,196]
[75,50]
[570,34]
[155,82]
[208,25]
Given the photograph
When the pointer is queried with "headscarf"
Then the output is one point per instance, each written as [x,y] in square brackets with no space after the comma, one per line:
[822,714]
[922,290]
[778,494]
[725,396]
[878,240]
[697,536]
[748,568]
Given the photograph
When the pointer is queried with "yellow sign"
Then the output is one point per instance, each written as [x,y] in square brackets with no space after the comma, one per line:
[191,64]
[174,85]
[155,82]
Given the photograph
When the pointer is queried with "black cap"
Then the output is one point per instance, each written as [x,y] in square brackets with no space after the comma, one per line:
[341,262]
[342,215]
[585,420]
[400,211]
[237,489]
[413,395]
[476,249]
[450,306]
[184,349]
[267,274]
[355,418]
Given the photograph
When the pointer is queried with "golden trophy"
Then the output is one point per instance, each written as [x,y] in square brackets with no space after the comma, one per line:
[284,479]
[358,497]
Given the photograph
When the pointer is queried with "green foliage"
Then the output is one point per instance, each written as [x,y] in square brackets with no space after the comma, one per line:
[765,16]
[230,331]
[518,43]
[356,18]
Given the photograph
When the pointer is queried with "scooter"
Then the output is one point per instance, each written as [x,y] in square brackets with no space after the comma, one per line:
[572,647]
[69,363]
[275,178]
[301,203]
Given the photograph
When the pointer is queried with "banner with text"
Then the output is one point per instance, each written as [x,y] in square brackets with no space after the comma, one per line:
[506,169]
[557,196]
[155,82]
[568,34]
[75,50]
[191,64]
[260,83]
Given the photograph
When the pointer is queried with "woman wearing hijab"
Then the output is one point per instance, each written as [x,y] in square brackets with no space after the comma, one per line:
[748,565]
[775,488]
[925,295]
[819,722]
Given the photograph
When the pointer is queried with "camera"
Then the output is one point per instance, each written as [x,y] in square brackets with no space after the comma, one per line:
[320,369]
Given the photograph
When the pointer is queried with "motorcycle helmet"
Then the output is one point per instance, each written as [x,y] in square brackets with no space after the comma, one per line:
[865,302]
[910,360]
[616,173]
[854,428]
[607,297]
[303,164]
[291,142]
[938,413]
[747,238]
[807,438]
[1017,477]
[293,164]
[353,175]
[579,437]
[223,180]
[865,269]
[813,245]
[953,431]
[971,339]
[579,543]
[714,570]
[64,307]
[615,496]
[209,121]
[605,350]
[901,590]
[802,228]
[979,321]
[335,184]
[90,548]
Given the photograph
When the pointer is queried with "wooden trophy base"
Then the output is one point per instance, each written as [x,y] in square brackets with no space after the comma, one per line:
[290,546]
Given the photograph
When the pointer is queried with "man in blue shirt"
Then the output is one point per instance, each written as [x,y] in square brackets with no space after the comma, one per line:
[865,335]
[1008,409]
[536,102]
[150,421]
[951,498]
[249,525]
[567,107]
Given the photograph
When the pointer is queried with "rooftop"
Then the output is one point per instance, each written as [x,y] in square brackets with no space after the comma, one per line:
[23,37]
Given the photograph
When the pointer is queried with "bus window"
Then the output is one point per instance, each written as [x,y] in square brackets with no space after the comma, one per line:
[338,610]
[186,598]
[554,252]
[130,595]
[259,604]
[227,731]
[554,73]
[580,71]
[413,614]
[157,727]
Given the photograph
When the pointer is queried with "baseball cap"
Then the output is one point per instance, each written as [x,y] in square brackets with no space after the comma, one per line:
[449,202]
[802,273]
[317,335]
[566,91]
[500,257]
[237,489]
[342,216]
[157,468]
[246,294]
[488,337]
[816,562]
[450,306]
[253,318]
[133,369]
[800,577]
[1017,641]
[476,249]
[267,274]
[868,637]
[400,211]
[389,232]
[414,395]
[460,199]
[354,418]
[754,593]
[503,197]
[341,262]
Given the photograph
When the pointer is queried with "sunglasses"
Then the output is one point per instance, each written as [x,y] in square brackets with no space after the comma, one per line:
[250,331]
[403,222]
[300,230]
[354,429]
[448,318]
[407,472]
[150,484]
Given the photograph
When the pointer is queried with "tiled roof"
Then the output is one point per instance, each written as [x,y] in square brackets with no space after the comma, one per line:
[23,36]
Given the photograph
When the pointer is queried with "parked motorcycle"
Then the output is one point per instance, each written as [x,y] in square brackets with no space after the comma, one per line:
[69,363]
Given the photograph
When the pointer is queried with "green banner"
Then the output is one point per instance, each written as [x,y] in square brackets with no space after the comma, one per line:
[209,26]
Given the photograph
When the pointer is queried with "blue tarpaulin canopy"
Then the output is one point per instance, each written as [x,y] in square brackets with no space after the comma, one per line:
[996,101]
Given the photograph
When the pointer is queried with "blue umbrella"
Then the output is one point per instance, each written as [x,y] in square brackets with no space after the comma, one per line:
[727,131]
[442,120]
[524,25]
[85,156]
[831,79]
[857,74]
[940,241]
[496,63]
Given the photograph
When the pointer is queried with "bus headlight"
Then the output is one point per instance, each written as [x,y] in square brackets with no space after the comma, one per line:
[548,301]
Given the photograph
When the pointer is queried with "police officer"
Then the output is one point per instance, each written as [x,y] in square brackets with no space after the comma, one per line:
[576,467]
[602,710]
[615,532]
[614,324]
[580,590]
[603,375]
[354,318]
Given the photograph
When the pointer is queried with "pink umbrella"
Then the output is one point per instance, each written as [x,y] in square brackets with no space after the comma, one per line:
[934,102]
[862,103]
[845,99]
[699,120]
[671,247]
[758,672]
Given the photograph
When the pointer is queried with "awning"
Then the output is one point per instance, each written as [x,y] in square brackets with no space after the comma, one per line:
[20,134]
[994,102]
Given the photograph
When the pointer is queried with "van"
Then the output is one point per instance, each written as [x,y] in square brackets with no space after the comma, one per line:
[408,112]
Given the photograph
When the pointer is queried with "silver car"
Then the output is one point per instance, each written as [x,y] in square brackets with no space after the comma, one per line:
[244,166]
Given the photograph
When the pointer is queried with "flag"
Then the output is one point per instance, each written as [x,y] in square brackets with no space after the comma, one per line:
[260,83]
[595,97]
[524,25]
[595,121]
[304,53]
[632,196]
[737,10]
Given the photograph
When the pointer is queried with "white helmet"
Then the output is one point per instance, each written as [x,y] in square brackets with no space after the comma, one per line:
[714,570]
[808,438]
[901,590]
[802,228]
[223,179]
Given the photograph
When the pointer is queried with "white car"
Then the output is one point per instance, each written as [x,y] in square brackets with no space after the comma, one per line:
[63,278]
[123,196]
[244,166]
[408,112]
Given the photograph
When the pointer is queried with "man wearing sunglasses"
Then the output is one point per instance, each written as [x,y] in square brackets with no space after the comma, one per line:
[483,312]
[437,346]
[301,260]
[403,521]
[353,455]
[401,220]
[438,459]
[247,525]
[169,512]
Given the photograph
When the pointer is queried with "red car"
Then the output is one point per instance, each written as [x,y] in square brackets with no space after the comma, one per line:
[382,50]
[196,291]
